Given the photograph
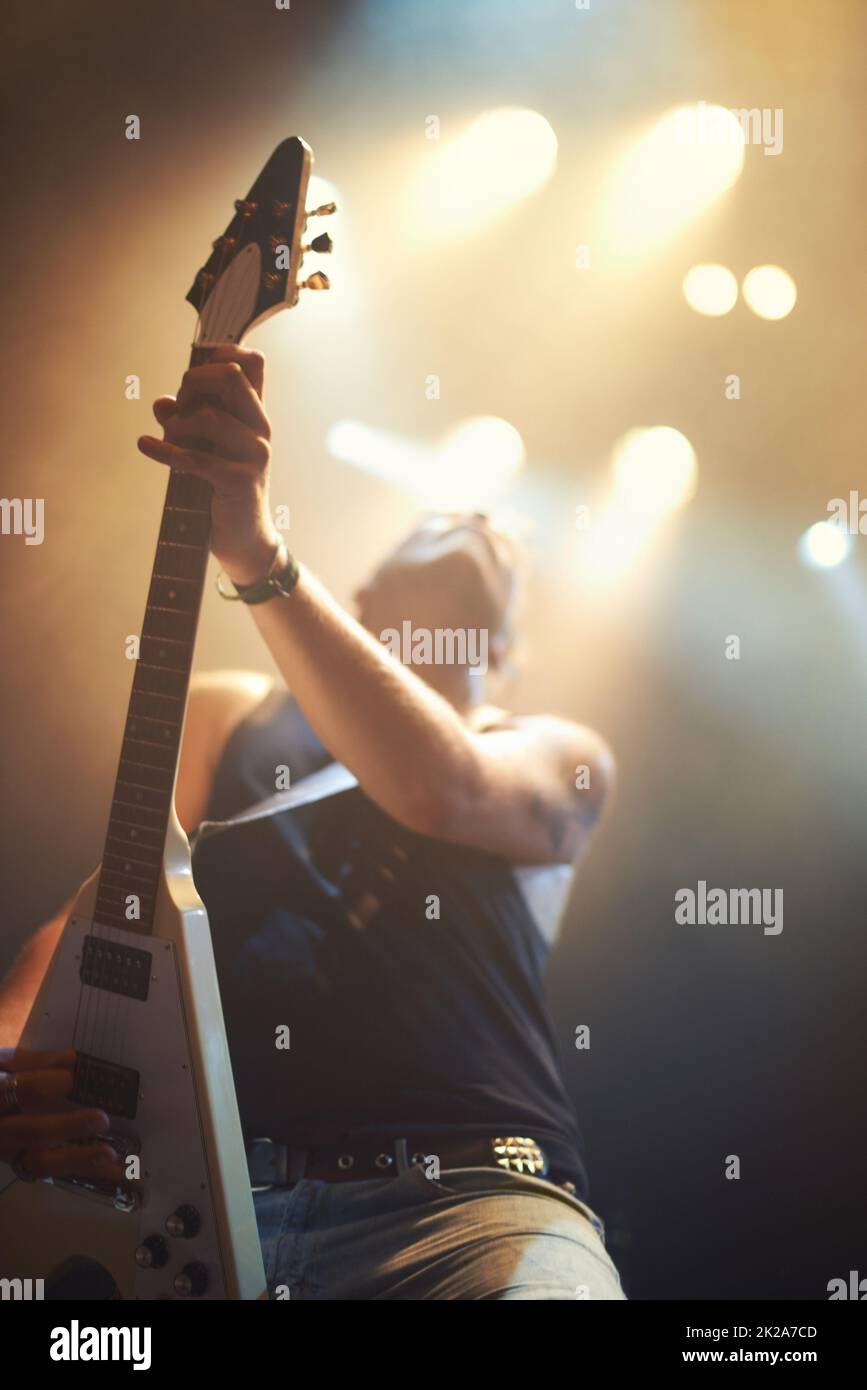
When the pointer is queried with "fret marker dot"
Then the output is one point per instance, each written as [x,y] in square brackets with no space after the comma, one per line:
[132,834]
[172,593]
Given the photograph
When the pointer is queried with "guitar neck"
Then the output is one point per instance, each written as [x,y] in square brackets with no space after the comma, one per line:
[251,274]
[144,788]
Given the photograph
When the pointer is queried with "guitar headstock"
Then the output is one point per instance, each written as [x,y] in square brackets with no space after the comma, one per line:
[253,269]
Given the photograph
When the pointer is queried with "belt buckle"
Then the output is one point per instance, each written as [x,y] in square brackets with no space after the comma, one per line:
[517,1154]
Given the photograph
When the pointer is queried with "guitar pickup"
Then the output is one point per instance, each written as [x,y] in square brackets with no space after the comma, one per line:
[106,1086]
[114,967]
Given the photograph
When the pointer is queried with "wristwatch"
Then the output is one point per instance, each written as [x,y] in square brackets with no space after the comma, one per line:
[280,580]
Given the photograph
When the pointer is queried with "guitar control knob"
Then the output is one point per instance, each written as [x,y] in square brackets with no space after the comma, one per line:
[184,1223]
[153,1253]
[192,1280]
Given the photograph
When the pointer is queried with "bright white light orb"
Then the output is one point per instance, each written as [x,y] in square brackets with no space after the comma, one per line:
[470,468]
[502,156]
[485,445]
[824,545]
[691,156]
[710,289]
[613,545]
[655,470]
[475,463]
[770,291]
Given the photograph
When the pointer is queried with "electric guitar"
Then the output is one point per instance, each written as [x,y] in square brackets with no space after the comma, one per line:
[132,984]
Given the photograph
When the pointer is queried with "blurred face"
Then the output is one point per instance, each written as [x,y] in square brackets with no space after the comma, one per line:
[454,570]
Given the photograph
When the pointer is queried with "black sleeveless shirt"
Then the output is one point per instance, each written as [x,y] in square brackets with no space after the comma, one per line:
[404,974]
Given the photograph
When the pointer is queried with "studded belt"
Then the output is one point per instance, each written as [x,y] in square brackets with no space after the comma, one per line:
[273,1164]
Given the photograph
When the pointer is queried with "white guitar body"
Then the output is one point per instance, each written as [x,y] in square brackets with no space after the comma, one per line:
[185,1128]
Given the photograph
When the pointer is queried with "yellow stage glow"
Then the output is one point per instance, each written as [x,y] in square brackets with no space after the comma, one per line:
[691,156]
[710,289]
[654,471]
[503,155]
[469,469]
[824,545]
[770,291]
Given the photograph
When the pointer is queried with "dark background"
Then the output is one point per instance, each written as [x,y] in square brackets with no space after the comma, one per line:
[705,1042]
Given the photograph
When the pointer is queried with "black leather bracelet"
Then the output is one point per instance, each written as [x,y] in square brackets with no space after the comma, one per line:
[278,582]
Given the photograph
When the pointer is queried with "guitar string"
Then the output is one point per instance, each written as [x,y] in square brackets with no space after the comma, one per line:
[101,1025]
[121,1013]
[123,1007]
[201,495]
[103,1018]
[116,1022]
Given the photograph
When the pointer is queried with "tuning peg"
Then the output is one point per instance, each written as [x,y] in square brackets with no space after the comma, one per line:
[322,244]
[324,211]
[317,281]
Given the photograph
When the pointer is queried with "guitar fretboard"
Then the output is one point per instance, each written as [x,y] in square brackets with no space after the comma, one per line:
[144,788]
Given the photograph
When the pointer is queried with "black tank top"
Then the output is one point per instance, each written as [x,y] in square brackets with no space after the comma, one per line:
[407,972]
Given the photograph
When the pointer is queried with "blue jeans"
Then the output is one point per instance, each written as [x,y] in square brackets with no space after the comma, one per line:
[473,1233]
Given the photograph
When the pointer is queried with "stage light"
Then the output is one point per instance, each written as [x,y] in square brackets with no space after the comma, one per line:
[710,289]
[387,456]
[654,474]
[824,545]
[471,467]
[612,545]
[770,291]
[504,155]
[654,471]
[691,156]
[482,454]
